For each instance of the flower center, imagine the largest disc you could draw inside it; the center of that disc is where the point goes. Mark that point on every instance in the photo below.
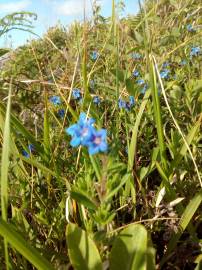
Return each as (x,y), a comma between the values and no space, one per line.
(85,131)
(97,140)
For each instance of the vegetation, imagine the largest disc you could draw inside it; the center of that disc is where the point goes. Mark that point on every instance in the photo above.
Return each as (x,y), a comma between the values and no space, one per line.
(101,143)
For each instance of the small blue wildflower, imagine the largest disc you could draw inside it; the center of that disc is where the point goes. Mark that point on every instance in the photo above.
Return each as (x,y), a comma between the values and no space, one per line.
(25,154)
(136,56)
(165,64)
(121,104)
(31,148)
(128,106)
(83,133)
(183,62)
(55,100)
(140,82)
(96,100)
(131,101)
(94,55)
(165,74)
(97,142)
(76,93)
(195,51)
(61,113)
(136,73)
(81,130)
(190,28)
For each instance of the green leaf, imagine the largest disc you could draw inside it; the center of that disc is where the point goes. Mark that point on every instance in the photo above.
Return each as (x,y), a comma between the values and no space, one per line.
(4,171)
(82,198)
(82,250)
(5,161)
(157,113)
(126,178)
(119,73)
(23,247)
(130,87)
(129,250)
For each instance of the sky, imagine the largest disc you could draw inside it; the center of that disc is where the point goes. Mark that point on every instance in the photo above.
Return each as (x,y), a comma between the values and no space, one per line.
(49,13)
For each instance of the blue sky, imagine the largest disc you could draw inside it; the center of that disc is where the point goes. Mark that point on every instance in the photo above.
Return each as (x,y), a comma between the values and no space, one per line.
(49,13)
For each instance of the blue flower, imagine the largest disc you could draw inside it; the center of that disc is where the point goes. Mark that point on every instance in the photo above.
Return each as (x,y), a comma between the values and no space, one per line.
(195,51)
(183,62)
(136,73)
(84,133)
(190,28)
(136,56)
(55,100)
(131,101)
(165,64)
(81,130)
(94,55)
(121,104)
(140,82)
(61,113)
(76,93)
(31,148)
(96,100)
(97,142)
(128,106)
(25,153)
(165,74)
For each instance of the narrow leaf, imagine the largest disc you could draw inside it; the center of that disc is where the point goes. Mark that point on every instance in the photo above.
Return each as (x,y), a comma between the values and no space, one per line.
(23,247)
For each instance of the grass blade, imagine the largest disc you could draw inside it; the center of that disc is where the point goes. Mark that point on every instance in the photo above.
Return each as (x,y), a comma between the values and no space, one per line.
(157,113)
(4,171)
(133,143)
(22,246)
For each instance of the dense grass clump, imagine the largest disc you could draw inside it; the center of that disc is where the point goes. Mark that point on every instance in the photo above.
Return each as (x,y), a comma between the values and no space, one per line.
(101,143)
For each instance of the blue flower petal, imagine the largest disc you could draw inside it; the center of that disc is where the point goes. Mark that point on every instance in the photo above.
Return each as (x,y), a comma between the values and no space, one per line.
(75,141)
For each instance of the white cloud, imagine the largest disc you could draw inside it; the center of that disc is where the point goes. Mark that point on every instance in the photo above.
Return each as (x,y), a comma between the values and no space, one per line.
(71,7)
(14,6)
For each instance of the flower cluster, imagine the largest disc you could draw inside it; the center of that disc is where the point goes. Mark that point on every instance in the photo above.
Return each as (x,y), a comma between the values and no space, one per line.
(165,64)
(55,100)
(136,56)
(165,74)
(195,51)
(140,82)
(127,105)
(84,133)
(61,113)
(94,55)
(76,93)
(136,73)
(96,100)
(190,28)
